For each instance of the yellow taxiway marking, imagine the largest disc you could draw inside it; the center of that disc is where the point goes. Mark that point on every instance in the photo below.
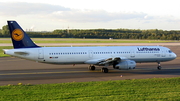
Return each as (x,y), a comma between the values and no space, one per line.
(46,72)
(11,60)
(178,58)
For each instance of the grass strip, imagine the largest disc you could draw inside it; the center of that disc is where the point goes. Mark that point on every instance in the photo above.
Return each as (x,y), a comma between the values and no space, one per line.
(74,40)
(161,89)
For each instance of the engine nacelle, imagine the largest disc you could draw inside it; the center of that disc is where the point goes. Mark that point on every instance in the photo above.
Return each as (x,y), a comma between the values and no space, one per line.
(125,65)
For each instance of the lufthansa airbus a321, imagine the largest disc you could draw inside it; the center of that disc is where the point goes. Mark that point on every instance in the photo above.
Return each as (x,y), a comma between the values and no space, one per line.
(119,57)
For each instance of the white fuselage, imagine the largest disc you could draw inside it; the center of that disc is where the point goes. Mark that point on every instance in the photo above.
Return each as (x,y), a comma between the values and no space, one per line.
(79,55)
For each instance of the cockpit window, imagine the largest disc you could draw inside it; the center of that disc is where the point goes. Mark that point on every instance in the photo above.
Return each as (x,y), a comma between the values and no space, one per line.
(170,51)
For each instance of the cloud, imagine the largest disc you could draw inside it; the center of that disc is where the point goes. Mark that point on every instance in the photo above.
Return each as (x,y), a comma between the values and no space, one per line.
(61,13)
(23,8)
(56,16)
(96,15)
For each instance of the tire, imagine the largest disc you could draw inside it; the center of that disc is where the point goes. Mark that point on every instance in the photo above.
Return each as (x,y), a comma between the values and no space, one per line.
(104,70)
(91,67)
(159,67)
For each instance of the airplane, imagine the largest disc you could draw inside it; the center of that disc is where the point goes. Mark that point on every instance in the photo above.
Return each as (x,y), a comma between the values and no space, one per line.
(119,57)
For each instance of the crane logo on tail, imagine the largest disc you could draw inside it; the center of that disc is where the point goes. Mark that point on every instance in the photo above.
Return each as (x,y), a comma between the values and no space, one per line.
(17,35)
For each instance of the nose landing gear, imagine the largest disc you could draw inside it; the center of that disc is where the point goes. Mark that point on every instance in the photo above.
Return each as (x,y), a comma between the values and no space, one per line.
(159,66)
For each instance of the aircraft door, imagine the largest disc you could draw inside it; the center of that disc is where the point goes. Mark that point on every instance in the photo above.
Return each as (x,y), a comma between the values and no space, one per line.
(90,53)
(163,53)
(132,54)
(40,54)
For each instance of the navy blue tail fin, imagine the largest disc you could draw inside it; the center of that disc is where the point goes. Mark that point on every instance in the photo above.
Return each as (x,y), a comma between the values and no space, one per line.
(19,38)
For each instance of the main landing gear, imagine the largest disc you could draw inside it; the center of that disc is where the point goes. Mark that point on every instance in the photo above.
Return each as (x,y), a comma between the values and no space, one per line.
(104,70)
(159,66)
(91,67)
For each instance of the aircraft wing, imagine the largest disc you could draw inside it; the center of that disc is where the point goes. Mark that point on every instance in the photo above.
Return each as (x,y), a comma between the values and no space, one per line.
(104,61)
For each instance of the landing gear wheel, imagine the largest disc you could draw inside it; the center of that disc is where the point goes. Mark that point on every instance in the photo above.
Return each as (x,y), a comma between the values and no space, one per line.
(159,67)
(104,70)
(91,67)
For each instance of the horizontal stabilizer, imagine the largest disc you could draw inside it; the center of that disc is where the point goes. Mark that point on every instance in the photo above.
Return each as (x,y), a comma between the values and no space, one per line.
(5,50)
(21,53)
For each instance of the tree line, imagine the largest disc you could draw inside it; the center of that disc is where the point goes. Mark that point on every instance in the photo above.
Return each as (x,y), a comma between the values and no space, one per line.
(153,34)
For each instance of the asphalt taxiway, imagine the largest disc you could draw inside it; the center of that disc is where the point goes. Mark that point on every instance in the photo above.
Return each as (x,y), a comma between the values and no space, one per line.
(16,70)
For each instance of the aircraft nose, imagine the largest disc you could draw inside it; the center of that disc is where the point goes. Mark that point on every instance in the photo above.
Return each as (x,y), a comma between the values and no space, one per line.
(174,55)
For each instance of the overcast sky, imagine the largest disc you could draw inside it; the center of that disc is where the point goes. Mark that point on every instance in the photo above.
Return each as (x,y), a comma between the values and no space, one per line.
(48,15)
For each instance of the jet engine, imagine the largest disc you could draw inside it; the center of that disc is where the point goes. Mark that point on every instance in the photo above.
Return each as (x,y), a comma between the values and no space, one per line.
(125,65)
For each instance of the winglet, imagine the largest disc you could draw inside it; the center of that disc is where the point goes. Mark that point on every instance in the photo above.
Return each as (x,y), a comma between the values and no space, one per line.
(19,38)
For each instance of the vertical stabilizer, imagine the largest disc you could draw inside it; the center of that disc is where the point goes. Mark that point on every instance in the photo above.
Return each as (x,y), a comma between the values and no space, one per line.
(19,38)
